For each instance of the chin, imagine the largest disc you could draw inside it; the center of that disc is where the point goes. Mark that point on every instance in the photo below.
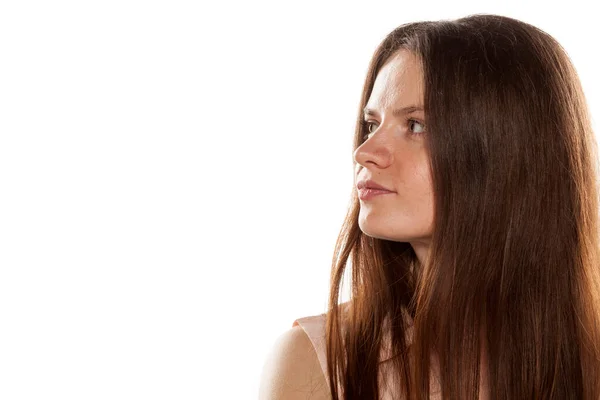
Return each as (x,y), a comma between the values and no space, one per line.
(380,232)
(374,233)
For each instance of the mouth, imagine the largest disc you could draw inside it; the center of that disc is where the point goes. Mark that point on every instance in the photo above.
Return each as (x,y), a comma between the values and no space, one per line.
(370,193)
(370,184)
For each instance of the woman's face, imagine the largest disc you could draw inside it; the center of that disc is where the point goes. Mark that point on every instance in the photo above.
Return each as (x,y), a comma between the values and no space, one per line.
(394,156)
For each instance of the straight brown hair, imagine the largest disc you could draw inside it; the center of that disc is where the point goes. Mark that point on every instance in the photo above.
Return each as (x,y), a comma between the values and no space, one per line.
(514,262)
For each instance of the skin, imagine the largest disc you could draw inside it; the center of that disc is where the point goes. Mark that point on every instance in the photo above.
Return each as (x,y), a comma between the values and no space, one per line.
(395,156)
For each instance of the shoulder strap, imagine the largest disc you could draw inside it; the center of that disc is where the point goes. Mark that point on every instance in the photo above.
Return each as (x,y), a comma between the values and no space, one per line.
(314,326)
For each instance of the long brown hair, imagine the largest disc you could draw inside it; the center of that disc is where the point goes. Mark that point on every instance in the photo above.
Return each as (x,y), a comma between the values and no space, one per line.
(514,261)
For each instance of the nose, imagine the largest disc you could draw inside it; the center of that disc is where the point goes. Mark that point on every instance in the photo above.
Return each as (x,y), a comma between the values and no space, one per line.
(376,151)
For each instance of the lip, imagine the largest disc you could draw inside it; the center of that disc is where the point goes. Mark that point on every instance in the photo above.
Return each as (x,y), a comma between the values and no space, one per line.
(369,184)
(368,193)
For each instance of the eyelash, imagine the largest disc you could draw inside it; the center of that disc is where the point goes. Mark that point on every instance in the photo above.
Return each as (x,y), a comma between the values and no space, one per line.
(365,125)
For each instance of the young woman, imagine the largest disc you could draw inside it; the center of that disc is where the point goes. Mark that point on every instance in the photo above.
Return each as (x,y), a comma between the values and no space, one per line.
(473,235)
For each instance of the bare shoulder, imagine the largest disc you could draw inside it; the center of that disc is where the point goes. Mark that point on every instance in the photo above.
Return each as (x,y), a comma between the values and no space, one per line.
(292,370)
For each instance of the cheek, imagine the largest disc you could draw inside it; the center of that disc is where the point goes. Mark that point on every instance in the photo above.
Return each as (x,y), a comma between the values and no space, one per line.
(417,177)
(422,175)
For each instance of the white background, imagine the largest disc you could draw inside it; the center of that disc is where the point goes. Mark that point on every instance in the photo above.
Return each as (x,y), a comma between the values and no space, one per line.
(173,177)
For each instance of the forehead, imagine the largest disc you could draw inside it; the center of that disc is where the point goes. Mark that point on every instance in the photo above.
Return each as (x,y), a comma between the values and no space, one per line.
(398,82)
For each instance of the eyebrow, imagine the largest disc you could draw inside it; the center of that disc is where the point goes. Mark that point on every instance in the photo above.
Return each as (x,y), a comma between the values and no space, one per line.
(397,112)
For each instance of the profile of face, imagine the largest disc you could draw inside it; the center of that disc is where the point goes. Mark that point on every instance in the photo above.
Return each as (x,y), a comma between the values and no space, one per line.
(394,156)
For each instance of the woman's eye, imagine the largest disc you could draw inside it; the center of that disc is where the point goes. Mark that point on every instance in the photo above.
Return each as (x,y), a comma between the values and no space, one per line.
(412,121)
(369,123)
(371,127)
(367,127)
